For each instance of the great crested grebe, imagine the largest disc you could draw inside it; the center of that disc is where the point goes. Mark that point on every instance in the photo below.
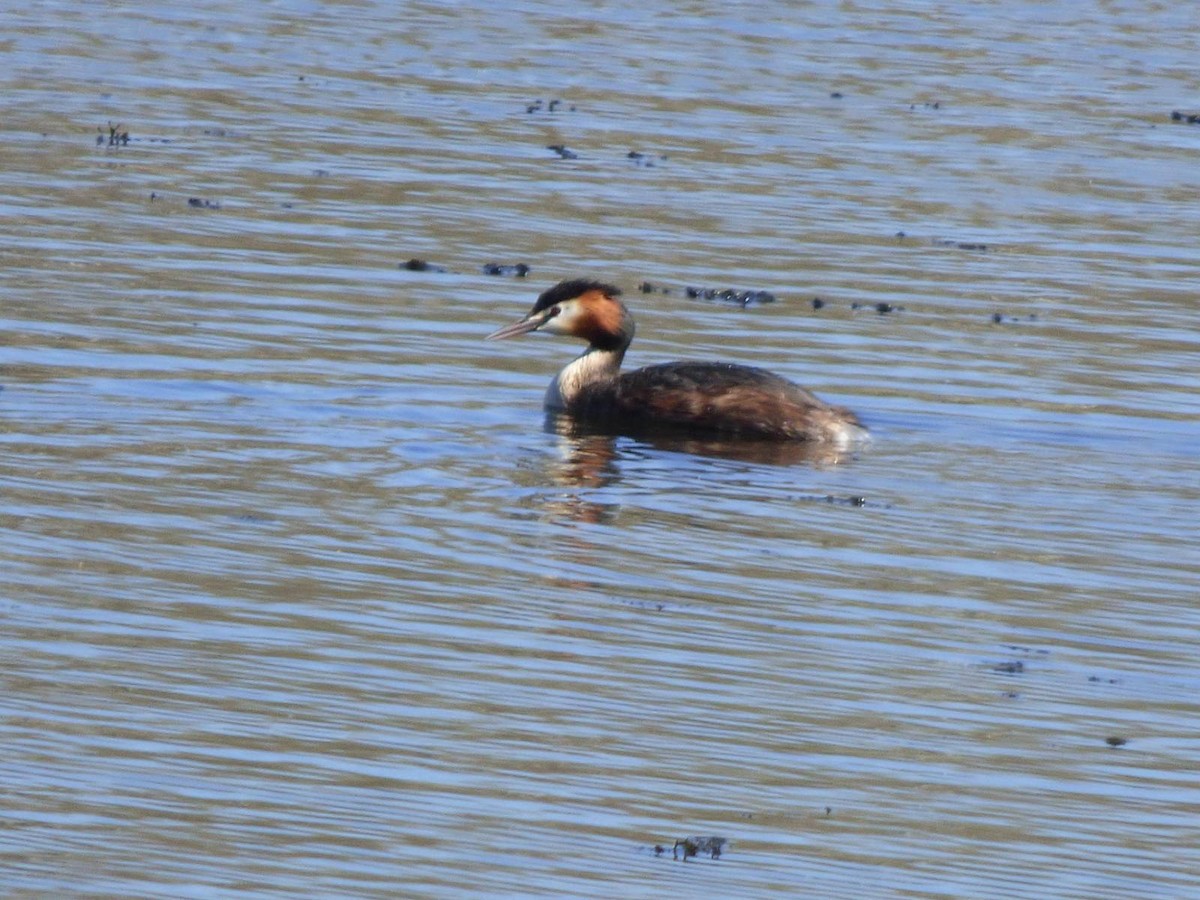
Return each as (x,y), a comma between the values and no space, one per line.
(712,397)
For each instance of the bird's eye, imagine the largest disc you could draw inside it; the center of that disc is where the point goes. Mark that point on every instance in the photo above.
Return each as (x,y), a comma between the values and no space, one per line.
(554,311)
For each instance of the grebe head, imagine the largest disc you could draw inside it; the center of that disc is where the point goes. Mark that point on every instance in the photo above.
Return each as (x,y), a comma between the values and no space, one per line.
(578,308)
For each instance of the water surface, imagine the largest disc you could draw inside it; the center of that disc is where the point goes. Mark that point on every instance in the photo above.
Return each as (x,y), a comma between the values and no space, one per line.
(303,596)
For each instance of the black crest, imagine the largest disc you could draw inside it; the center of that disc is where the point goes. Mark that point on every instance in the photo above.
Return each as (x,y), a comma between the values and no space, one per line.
(569,290)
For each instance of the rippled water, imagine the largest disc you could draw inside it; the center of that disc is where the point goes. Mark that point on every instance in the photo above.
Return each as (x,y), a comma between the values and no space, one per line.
(304,597)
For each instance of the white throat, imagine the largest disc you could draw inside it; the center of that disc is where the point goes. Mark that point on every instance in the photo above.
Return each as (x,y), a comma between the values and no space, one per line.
(593,366)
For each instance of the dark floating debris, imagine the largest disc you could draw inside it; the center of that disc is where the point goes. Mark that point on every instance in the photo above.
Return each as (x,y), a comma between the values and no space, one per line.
(552,106)
(562,151)
(725,295)
(1016,666)
(693,846)
(420,265)
(646,160)
(999,318)
(836,501)
(1013,667)
(818,303)
(936,104)
(646,605)
(1189,118)
(1116,741)
(517,270)
(881,307)
(836,95)
(1033,651)
(728,295)
(118,136)
(198,203)
(962,245)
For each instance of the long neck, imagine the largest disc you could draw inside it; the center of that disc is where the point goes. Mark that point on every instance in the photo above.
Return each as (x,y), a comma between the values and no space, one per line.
(595,366)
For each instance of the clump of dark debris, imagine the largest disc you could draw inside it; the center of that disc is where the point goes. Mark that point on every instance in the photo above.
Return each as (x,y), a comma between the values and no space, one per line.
(517,270)
(553,106)
(686,848)
(1188,118)
(842,501)
(647,160)
(728,295)
(962,245)
(118,136)
(882,308)
(421,265)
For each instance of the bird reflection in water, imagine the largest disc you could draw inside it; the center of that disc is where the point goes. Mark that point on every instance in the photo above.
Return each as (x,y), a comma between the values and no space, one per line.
(593,447)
